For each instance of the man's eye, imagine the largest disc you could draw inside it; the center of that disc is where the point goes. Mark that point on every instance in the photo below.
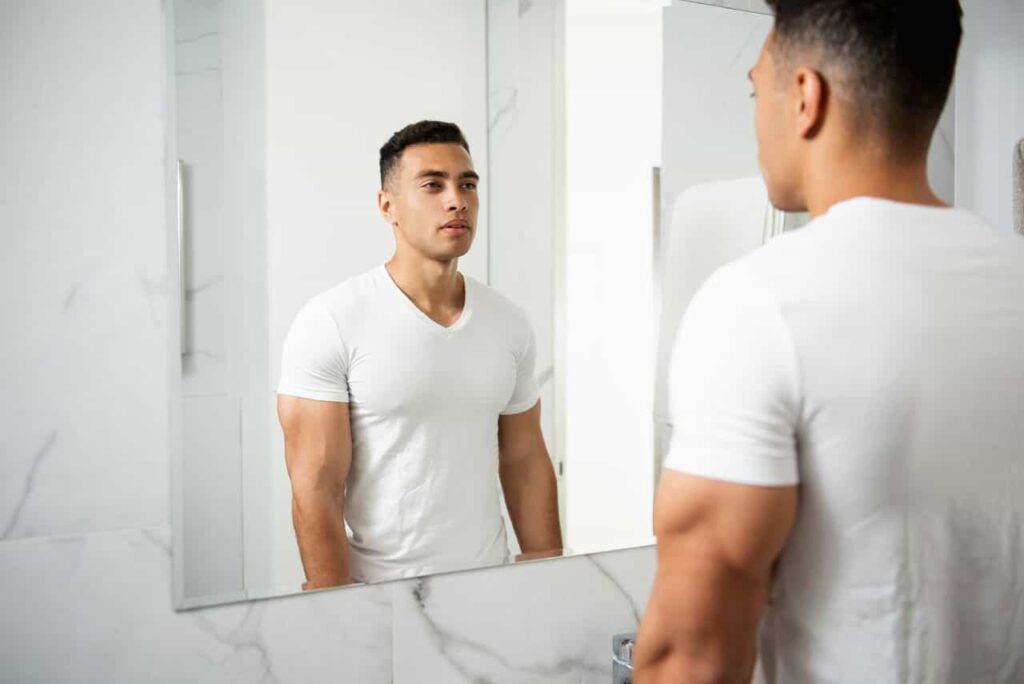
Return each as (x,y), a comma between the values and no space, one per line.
(431,185)
(469,186)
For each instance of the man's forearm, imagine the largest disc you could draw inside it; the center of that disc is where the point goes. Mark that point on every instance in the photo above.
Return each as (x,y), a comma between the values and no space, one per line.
(531,494)
(320,530)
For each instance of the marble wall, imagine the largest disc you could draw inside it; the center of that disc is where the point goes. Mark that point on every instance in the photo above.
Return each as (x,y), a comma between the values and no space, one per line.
(85,293)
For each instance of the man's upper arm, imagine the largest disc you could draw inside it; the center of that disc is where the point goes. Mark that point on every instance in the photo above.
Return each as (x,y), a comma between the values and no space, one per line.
(735,527)
(520,436)
(318,443)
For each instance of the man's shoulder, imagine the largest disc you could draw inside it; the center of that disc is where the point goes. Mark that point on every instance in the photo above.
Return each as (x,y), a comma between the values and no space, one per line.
(494,302)
(350,296)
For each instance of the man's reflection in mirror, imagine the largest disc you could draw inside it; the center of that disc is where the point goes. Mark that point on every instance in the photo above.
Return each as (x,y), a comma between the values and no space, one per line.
(408,392)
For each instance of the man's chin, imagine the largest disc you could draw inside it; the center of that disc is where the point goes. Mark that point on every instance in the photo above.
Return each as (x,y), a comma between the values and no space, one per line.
(450,252)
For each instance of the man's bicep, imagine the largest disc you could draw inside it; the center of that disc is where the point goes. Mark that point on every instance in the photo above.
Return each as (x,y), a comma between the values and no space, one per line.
(519,434)
(318,439)
(741,527)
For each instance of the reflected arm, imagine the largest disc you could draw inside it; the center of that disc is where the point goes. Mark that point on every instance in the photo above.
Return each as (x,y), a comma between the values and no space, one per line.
(717,544)
(318,452)
(528,481)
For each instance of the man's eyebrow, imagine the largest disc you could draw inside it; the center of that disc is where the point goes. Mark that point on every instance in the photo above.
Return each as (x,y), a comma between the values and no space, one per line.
(432,173)
(435,173)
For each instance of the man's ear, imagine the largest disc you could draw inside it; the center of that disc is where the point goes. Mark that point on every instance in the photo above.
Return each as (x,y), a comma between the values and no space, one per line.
(810,101)
(384,206)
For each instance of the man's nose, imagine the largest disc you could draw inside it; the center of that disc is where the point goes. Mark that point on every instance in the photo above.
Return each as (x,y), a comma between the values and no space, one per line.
(456,200)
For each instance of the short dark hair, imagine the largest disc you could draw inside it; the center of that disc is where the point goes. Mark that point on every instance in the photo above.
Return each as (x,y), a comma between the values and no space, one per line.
(897,57)
(416,134)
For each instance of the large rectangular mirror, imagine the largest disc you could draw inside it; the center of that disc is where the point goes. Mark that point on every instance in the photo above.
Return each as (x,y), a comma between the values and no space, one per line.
(617,165)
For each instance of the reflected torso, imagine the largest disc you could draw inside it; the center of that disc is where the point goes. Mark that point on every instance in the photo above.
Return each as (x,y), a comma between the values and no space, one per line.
(422,493)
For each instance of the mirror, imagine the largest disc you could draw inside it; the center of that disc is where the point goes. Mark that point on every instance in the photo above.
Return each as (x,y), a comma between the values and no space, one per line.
(602,178)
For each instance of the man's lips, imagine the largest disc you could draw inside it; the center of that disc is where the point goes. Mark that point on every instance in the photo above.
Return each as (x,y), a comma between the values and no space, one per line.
(455,227)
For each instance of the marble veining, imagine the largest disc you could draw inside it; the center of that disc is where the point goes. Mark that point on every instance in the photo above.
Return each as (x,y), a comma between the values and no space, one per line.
(604,571)
(242,636)
(505,104)
(454,647)
(19,506)
(197,38)
(69,300)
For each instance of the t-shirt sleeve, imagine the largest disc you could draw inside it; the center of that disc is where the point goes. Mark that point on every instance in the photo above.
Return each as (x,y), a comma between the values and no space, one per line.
(314,361)
(526,392)
(734,392)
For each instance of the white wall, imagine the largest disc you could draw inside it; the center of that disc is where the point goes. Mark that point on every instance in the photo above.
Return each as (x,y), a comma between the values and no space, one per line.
(88,352)
(613,135)
(989,107)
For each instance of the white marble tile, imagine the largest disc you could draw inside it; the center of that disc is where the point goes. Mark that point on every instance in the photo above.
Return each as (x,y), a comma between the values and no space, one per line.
(83,272)
(97,608)
(550,621)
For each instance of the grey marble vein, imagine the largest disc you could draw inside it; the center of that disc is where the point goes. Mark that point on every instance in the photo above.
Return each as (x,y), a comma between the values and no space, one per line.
(69,300)
(195,72)
(197,38)
(747,40)
(447,642)
(503,110)
(618,587)
(37,460)
(242,637)
(191,292)
(156,540)
(154,291)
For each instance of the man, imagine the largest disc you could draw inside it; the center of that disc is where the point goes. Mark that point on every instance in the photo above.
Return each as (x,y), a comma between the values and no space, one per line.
(407,390)
(847,464)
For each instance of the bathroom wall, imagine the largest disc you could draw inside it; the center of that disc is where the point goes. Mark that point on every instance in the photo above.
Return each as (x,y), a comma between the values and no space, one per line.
(989,107)
(85,585)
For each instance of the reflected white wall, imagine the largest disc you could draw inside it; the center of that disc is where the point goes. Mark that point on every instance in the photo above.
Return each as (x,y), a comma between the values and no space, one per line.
(613,138)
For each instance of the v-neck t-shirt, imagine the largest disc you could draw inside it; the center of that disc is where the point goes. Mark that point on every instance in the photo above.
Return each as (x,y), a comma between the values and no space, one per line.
(422,493)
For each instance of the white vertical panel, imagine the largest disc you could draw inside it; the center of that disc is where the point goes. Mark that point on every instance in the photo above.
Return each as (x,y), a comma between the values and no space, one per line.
(613,133)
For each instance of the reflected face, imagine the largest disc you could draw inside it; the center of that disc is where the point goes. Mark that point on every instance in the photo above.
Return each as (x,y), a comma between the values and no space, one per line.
(776,130)
(432,200)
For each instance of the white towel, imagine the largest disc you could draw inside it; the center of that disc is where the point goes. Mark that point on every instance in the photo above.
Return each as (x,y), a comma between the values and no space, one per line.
(1018,187)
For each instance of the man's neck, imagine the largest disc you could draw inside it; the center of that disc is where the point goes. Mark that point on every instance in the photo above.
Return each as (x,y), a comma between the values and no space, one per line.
(829,182)
(435,287)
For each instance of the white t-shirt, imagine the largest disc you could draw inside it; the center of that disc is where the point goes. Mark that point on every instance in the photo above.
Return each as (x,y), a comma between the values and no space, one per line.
(875,357)
(422,492)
